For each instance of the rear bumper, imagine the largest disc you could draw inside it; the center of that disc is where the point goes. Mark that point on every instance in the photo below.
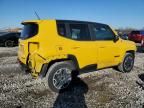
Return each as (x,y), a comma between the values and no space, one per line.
(23,66)
(30,67)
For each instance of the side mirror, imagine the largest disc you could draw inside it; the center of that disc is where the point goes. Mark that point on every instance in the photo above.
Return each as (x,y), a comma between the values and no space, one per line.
(116,38)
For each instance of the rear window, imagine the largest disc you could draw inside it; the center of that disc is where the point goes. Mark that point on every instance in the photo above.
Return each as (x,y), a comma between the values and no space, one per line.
(29,30)
(79,32)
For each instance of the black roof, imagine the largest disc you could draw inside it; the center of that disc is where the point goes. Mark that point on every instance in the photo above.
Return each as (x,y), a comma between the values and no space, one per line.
(77,21)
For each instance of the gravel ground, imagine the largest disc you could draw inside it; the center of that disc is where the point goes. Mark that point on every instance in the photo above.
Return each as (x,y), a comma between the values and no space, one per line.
(101,89)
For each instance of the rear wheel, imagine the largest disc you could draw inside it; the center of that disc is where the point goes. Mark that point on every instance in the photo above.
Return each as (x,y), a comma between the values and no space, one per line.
(127,64)
(9,43)
(59,76)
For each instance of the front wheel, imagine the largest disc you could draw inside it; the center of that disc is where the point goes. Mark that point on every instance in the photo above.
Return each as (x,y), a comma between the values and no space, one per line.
(127,64)
(59,76)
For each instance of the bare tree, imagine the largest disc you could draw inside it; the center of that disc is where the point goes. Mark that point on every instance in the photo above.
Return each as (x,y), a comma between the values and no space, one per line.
(125,30)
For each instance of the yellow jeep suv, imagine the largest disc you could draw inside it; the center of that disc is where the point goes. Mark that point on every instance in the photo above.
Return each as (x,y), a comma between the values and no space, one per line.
(53,49)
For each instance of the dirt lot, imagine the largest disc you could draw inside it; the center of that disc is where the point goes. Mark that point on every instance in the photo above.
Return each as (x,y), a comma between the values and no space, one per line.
(105,88)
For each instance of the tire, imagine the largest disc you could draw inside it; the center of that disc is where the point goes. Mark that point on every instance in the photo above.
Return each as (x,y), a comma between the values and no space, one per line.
(59,76)
(9,43)
(127,64)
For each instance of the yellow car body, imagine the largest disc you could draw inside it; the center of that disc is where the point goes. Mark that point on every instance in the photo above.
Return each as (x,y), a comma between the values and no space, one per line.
(47,47)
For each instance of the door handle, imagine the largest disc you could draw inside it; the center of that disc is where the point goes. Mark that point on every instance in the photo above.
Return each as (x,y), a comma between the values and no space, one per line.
(75,47)
(102,47)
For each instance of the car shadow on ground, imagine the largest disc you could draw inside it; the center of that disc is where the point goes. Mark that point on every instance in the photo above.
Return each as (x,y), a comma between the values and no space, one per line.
(73,97)
(141,82)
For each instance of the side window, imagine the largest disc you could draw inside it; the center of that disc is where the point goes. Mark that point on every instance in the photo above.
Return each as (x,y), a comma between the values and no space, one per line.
(102,32)
(8,34)
(61,29)
(79,32)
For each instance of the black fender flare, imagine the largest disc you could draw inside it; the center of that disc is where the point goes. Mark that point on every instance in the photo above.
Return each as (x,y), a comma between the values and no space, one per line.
(46,66)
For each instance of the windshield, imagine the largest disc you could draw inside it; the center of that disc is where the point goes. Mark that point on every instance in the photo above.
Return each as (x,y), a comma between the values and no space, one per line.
(29,30)
(135,32)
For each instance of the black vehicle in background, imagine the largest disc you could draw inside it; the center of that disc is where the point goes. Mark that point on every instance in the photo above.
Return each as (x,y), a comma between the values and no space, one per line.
(9,39)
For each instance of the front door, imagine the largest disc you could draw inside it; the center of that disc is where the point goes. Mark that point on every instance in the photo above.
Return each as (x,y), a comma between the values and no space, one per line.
(108,50)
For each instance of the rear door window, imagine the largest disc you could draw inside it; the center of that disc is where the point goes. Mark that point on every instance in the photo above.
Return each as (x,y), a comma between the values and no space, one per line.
(29,30)
(79,32)
(75,31)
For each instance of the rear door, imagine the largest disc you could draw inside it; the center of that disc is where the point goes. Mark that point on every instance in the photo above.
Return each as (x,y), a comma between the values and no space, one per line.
(84,46)
(80,43)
